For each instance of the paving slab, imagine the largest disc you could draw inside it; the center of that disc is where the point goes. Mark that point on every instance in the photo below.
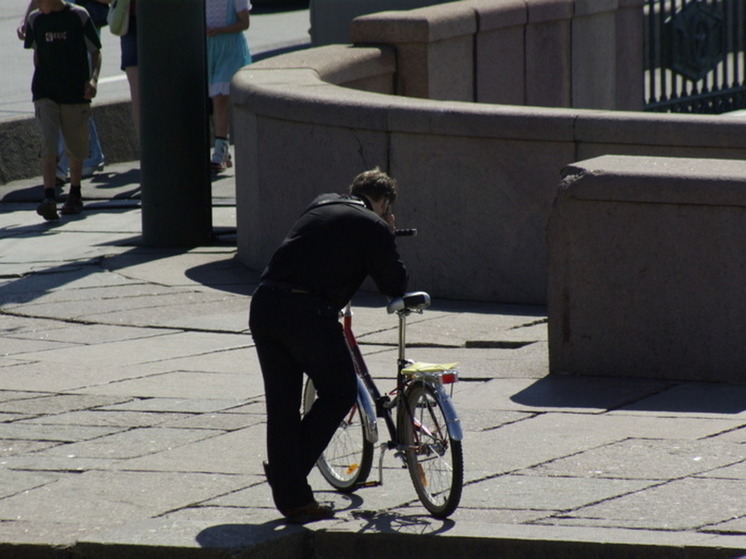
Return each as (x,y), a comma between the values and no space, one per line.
(180,384)
(18,430)
(625,459)
(678,505)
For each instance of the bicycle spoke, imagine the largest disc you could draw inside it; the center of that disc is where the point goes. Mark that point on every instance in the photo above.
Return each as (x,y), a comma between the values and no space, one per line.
(347,459)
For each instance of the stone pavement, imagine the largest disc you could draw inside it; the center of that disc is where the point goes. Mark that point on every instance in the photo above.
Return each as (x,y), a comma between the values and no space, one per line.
(132,425)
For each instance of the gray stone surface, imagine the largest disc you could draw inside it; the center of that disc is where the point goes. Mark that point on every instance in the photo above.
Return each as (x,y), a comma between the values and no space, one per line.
(624,232)
(132,417)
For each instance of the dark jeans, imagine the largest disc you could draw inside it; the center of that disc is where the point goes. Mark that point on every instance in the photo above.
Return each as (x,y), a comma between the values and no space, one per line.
(296,334)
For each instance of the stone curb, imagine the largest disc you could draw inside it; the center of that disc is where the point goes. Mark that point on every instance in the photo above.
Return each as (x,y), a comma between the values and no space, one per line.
(306,543)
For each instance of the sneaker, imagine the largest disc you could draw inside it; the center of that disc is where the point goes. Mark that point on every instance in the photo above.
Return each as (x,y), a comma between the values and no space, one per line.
(221,157)
(48,209)
(73,205)
(311,512)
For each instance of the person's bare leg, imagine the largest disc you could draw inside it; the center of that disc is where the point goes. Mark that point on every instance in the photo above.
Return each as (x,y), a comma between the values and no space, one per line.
(221,158)
(49,171)
(132,79)
(76,171)
(221,115)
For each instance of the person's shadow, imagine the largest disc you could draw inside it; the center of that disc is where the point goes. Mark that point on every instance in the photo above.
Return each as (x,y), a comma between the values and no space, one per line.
(285,540)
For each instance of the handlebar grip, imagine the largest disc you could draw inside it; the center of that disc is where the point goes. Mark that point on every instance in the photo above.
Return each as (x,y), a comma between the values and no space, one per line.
(405,233)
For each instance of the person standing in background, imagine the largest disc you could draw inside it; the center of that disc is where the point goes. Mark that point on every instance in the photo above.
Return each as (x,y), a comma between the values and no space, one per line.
(227,52)
(95,159)
(63,38)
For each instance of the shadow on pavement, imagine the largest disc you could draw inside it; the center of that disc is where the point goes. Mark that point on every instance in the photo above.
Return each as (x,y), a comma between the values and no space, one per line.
(111,185)
(383,522)
(36,283)
(633,394)
(244,536)
(32,193)
(226,275)
(129,180)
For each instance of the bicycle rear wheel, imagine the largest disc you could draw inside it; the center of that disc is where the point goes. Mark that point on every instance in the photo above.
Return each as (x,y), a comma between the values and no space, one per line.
(347,459)
(434,459)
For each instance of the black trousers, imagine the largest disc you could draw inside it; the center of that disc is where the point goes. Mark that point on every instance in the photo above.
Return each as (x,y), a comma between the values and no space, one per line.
(295,334)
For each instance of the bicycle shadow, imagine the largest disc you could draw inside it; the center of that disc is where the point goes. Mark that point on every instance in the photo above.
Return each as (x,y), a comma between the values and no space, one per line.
(291,538)
(277,538)
(386,521)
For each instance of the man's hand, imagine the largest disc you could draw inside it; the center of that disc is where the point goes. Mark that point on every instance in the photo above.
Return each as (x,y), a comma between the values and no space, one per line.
(21,31)
(391,220)
(91,88)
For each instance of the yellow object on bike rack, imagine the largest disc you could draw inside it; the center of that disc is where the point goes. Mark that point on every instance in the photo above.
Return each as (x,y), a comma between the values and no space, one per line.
(444,373)
(428,368)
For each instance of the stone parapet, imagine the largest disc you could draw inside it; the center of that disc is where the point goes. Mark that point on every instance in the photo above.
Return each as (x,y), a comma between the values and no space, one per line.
(478,179)
(499,51)
(434,46)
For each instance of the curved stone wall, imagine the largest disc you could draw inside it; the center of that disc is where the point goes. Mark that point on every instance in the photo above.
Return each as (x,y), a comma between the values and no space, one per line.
(477,179)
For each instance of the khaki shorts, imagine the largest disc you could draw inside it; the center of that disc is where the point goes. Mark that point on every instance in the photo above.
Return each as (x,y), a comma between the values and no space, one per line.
(72,120)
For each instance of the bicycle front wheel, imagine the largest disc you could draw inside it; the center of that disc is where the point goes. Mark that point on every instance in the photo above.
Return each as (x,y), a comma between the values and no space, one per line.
(347,459)
(434,459)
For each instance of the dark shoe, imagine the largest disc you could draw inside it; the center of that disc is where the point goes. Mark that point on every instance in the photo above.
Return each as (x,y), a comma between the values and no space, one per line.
(73,205)
(311,512)
(48,209)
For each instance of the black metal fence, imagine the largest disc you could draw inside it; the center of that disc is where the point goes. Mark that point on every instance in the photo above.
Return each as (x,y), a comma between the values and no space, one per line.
(695,60)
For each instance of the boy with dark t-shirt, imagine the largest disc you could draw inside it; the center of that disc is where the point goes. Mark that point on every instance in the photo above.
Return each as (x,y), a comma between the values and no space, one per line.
(62,35)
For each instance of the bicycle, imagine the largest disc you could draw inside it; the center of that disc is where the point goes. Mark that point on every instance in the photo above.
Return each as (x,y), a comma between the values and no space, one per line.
(424,428)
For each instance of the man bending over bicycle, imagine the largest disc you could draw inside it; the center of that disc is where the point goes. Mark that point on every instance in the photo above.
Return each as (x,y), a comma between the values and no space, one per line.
(334,245)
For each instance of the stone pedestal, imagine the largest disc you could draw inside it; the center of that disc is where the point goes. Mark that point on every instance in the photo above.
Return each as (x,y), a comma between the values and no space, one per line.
(647,269)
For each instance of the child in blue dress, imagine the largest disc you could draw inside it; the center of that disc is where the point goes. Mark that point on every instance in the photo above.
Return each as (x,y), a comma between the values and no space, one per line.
(227,52)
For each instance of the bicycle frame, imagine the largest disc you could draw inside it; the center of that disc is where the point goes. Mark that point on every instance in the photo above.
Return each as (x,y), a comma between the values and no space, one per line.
(374,404)
(368,392)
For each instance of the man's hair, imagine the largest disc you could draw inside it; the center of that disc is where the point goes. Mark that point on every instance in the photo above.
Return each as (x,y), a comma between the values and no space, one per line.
(374,184)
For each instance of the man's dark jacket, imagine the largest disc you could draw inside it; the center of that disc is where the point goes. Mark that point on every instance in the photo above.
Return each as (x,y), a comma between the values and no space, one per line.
(334,245)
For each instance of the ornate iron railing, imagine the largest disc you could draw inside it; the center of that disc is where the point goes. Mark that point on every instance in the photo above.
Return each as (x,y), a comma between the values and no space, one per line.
(695,61)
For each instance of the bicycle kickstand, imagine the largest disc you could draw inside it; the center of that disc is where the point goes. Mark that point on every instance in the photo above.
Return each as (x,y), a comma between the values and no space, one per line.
(373,483)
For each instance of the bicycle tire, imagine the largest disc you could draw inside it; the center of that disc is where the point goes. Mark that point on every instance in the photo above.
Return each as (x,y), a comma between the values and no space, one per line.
(347,460)
(435,460)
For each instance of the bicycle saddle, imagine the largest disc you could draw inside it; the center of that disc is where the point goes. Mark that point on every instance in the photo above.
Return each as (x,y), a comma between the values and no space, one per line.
(416,301)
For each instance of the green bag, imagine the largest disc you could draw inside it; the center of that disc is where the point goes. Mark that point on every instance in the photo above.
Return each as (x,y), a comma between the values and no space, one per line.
(119,17)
